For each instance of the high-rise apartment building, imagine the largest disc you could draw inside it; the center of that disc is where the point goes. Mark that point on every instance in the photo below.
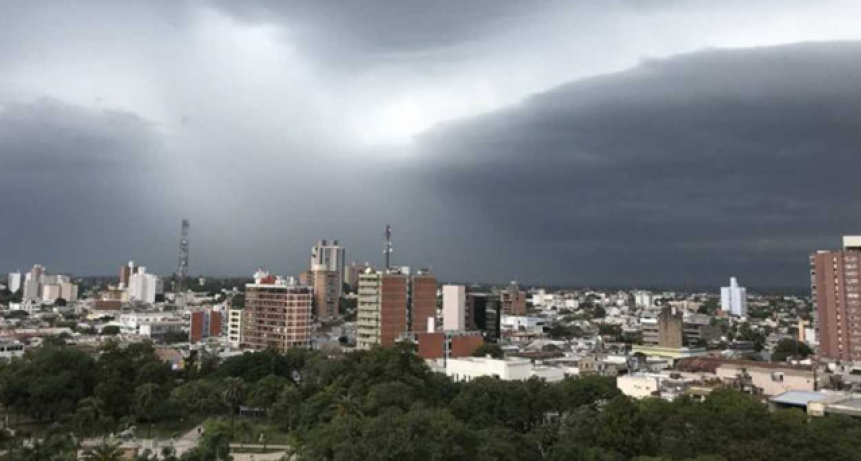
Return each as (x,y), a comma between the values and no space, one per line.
(353,273)
(484,313)
(144,287)
(392,303)
(423,301)
(733,299)
(204,323)
(327,287)
(382,308)
(277,313)
(234,327)
(13,281)
(836,287)
(513,300)
(328,256)
(126,273)
(453,307)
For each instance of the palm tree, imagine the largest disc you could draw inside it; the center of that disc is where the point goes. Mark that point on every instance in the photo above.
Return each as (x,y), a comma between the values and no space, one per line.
(233,392)
(347,405)
(104,451)
(146,397)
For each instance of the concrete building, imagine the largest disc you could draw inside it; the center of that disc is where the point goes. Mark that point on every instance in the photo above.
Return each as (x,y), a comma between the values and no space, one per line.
(158,330)
(836,287)
(759,378)
(423,301)
(454,307)
(382,308)
(14,281)
(205,323)
(513,300)
(144,287)
(51,292)
(234,327)
(508,369)
(663,327)
(448,344)
(327,287)
(733,299)
(483,313)
(644,299)
(329,256)
(277,313)
(126,273)
(393,303)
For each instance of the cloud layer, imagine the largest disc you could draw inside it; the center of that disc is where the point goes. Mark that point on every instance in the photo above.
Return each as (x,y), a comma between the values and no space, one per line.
(556,142)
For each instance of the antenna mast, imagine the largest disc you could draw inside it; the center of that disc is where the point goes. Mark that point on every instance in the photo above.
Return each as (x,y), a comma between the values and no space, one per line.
(182,269)
(387,246)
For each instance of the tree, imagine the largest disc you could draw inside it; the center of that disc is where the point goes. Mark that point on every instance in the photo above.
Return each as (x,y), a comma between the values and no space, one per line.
(234,390)
(147,397)
(103,451)
(265,393)
(111,330)
(491,349)
(790,349)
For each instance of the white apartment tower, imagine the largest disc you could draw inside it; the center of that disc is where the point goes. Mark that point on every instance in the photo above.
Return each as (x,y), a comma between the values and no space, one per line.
(14,281)
(453,307)
(733,299)
(144,287)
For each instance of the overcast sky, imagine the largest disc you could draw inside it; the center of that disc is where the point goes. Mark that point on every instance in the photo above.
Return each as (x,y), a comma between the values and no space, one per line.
(638,142)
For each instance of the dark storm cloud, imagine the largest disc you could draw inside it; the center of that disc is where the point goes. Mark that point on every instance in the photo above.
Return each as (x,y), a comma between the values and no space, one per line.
(368,29)
(688,169)
(73,180)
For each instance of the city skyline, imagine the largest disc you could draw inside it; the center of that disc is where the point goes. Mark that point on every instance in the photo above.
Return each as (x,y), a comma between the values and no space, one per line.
(668,143)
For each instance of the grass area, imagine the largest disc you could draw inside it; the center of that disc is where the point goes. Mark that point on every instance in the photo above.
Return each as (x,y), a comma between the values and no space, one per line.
(248,430)
(167,429)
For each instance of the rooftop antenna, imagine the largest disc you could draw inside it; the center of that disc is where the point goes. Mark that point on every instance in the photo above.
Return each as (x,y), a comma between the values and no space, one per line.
(387,246)
(182,269)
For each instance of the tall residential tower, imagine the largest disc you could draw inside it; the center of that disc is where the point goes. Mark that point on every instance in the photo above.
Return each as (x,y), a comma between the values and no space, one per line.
(836,288)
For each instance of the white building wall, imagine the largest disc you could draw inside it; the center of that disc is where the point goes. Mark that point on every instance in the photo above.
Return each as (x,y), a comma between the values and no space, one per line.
(454,307)
(467,369)
(14,281)
(734,299)
(637,386)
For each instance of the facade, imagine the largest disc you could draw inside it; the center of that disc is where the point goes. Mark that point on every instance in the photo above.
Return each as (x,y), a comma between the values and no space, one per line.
(159,329)
(204,324)
(508,369)
(454,307)
(234,327)
(423,301)
(382,309)
(13,281)
(329,256)
(393,303)
(483,313)
(353,273)
(448,344)
(836,288)
(144,287)
(277,314)
(513,300)
(126,273)
(51,292)
(733,299)
(644,299)
(327,286)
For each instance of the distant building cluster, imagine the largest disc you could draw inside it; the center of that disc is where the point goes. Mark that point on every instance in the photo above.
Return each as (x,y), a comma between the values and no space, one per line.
(788,348)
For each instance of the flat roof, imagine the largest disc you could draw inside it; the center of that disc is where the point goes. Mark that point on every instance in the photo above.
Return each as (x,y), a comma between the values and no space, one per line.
(798,398)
